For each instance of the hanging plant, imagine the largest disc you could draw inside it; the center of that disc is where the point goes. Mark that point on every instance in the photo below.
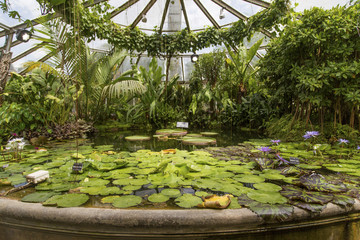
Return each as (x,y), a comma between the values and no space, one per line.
(95,22)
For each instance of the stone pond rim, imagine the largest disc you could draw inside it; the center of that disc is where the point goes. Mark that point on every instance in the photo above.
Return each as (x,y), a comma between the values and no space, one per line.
(20,220)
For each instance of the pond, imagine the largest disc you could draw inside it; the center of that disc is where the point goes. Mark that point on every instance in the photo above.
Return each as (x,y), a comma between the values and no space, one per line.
(269,178)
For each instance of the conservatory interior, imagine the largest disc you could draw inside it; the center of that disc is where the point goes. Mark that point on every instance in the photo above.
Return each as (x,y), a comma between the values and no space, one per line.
(174,119)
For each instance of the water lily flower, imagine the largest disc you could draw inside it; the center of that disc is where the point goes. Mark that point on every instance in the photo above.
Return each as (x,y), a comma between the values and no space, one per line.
(276,141)
(264,149)
(358,147)
(14,134)
(282,159)
(310,134)
(343,141)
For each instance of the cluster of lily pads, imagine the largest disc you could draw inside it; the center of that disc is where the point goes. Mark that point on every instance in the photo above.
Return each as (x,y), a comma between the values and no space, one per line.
(258,174)
(202,138)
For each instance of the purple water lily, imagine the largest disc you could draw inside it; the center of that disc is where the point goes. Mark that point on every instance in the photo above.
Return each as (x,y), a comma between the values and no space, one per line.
(310,134)
(14,134)
(282,159)
(276,141)
(264,149)
(343,141)
(358,147)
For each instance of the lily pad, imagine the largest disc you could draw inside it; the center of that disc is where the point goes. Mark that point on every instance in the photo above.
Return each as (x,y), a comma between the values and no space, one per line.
(109,199)
(171,132)
(271,212)
(267,187)
(188,201)
(317,182)
(173,193)
(199,141)
(127,201)
(267,197)
(158,197)
(312,207)
(37,197)
(137,138)
(247,178)
(67,200)
(209,134)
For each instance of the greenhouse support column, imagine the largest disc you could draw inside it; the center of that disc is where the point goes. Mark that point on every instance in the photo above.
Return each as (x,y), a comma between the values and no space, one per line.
(5,61)
(174,24)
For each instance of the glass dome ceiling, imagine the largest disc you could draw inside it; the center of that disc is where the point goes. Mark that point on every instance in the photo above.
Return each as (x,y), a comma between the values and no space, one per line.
(165,15)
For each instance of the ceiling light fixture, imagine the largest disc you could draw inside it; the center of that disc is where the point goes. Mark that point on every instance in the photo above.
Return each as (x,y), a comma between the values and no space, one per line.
(144,19)
(194,58)
(222,14)
(23,35)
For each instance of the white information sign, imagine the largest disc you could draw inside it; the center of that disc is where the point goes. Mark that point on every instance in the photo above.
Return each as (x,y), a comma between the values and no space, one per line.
(182,124)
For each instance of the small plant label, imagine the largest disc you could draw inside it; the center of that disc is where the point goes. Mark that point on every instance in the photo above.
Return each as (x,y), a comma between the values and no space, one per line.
(77,167)
(294,160)
(182,124)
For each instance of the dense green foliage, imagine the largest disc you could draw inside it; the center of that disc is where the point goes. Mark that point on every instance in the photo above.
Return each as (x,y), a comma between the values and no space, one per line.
(312,69)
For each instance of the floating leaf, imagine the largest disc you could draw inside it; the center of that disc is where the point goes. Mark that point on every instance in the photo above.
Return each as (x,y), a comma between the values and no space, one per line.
(131,188)
(343,201)
(214,201)
(188,201)
(247,178)
(271,212)
(267,187)
(234,203)
(68,200)
(267,197)
(158,197)
(38,197)
(307,166)
(92,182)
(171,132)
(208,134)
(202,193)
(265,163)
(109,199)
(312,207)
(198,141)
(137,138)
(173,193)
(294,193)
(127,201)
(317,182)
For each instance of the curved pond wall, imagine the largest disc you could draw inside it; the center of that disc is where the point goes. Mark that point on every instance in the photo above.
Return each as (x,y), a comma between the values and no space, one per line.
(33,221)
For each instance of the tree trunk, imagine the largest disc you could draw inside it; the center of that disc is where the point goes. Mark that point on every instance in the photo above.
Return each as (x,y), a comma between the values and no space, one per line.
(308,110)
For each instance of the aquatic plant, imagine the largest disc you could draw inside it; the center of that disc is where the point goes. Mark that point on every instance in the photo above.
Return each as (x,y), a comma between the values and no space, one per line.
(15,146)
(311,134)
(276,141)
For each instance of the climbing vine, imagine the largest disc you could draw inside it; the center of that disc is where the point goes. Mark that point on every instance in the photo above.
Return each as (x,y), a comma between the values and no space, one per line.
(95,22)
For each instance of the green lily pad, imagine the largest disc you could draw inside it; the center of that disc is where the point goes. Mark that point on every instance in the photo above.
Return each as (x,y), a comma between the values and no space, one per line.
(188,201)
(267,197)
(173,193)
(67,200)
(247,178)
(209,134)
(171,132)
(312,207)
(131,187)
(198,141)
(195,135)
(109,199)
(267,187)
(137,138)
(298,194)
(127,201)
(202,193)
(158,197)
(37,197)
(307,166)
(92,182)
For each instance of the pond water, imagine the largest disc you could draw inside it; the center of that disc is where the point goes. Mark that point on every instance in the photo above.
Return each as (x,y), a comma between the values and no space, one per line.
(116,138)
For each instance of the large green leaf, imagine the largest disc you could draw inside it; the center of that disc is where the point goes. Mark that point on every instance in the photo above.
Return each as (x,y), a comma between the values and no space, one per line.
(67,200)
(126,201)
(294,193)
(188,201)
(267,197)
(38,197)
(158,197)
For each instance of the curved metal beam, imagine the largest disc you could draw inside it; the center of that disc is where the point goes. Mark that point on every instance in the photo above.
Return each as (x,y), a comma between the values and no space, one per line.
(123,8)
